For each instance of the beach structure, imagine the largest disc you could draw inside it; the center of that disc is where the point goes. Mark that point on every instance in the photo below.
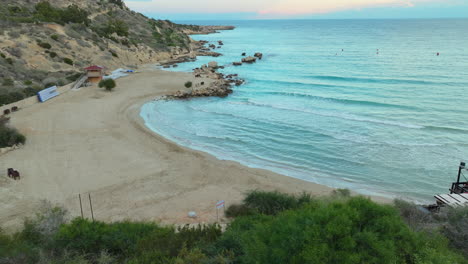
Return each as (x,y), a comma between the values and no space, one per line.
(458,192)
(94,73)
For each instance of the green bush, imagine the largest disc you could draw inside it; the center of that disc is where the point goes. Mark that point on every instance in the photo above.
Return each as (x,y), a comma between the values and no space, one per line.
(45,12)
(188,85)
(10,136)
(53,54)
(109,84)
(271,203)
(28,82)
(352,231)
(120,3)
(236,210)
(73,77)
(116,26)
(54,37)
(8,82)
(68,61)
(9,60)
(11,97)
(114,54)
(44,45)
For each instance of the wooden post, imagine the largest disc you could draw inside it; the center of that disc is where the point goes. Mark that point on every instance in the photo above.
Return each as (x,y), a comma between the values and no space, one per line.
(91,206)
(81,206)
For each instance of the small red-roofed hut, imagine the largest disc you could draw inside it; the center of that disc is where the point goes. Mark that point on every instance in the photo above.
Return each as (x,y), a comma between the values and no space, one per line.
(95,73)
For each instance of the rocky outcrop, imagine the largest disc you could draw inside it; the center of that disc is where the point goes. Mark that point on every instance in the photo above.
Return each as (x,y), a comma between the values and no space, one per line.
(221,86)
(258,55)
(213,64)
(217,88)
(237,63)
(249,59)
(204,30)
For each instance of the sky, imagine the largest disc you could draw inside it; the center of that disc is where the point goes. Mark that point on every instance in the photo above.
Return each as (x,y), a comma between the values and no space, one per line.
(298,9)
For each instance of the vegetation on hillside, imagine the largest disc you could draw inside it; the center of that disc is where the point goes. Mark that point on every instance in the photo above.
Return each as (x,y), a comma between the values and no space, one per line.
(9,136)
(105,27)
(291,229)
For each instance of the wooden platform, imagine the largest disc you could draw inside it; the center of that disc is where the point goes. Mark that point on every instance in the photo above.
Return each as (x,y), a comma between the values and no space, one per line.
(453,200)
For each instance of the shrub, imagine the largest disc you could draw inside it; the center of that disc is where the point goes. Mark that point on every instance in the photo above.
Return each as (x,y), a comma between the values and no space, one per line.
(116,26)
(53,54)
(455,228)
(8,82)
(44,45)
(351,231)
(54,37)
(271,203)
(2,55)
(74,14)
(9,60)
(10,136)
(68,61)
(188,85)
(28,82)
(44,11)
(109,84)
(236,210)
(120,3)
(73,77)
(113,53)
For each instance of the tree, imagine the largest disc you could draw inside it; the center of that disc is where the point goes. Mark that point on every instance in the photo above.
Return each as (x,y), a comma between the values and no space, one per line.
(109,84)
(188,85)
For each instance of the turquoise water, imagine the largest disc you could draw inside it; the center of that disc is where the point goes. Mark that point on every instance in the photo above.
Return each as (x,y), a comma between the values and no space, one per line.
(359,104)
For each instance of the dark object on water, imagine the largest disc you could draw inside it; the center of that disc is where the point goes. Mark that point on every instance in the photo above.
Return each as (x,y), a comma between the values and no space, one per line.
(14,109)
(438,53)
(243,54)
(6,111)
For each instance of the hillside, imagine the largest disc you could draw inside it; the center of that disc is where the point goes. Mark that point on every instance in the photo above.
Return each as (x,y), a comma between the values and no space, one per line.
(45,43)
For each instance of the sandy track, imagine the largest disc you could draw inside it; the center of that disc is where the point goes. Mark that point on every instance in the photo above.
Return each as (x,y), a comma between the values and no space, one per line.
(92,141)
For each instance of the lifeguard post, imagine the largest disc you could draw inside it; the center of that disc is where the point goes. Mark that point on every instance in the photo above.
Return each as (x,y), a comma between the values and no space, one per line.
(94,73)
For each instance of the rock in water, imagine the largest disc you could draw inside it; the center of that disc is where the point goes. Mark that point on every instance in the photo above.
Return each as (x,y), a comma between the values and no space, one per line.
(249,59)
(213,64)
(259,55)
(237,63)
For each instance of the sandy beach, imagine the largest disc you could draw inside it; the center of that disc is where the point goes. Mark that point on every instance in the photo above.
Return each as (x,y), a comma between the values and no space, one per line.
(94,142)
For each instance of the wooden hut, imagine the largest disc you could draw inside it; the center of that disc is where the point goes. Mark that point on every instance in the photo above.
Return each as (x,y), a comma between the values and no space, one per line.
(95,73)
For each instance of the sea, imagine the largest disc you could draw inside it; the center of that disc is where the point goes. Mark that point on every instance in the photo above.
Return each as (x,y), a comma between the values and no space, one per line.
(379,107)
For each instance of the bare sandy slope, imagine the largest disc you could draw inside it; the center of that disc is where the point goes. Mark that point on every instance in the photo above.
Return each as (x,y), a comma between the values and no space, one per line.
(92,141)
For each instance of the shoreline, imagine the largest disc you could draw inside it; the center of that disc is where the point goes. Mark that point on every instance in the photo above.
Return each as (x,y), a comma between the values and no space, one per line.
(93,141)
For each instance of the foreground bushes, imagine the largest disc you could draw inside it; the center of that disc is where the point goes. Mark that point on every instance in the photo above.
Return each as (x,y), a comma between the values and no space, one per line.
(299,230)
(355,231)
(9,136)
(269,203)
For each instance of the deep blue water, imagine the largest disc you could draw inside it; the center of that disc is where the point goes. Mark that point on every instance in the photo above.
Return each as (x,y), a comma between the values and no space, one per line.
(359,104)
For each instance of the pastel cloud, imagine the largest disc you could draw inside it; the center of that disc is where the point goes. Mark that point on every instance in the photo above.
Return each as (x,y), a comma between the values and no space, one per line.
(294,7)
(265,8)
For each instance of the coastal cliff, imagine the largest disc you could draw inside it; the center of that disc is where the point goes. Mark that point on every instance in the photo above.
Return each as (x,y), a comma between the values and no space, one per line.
(46,43)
